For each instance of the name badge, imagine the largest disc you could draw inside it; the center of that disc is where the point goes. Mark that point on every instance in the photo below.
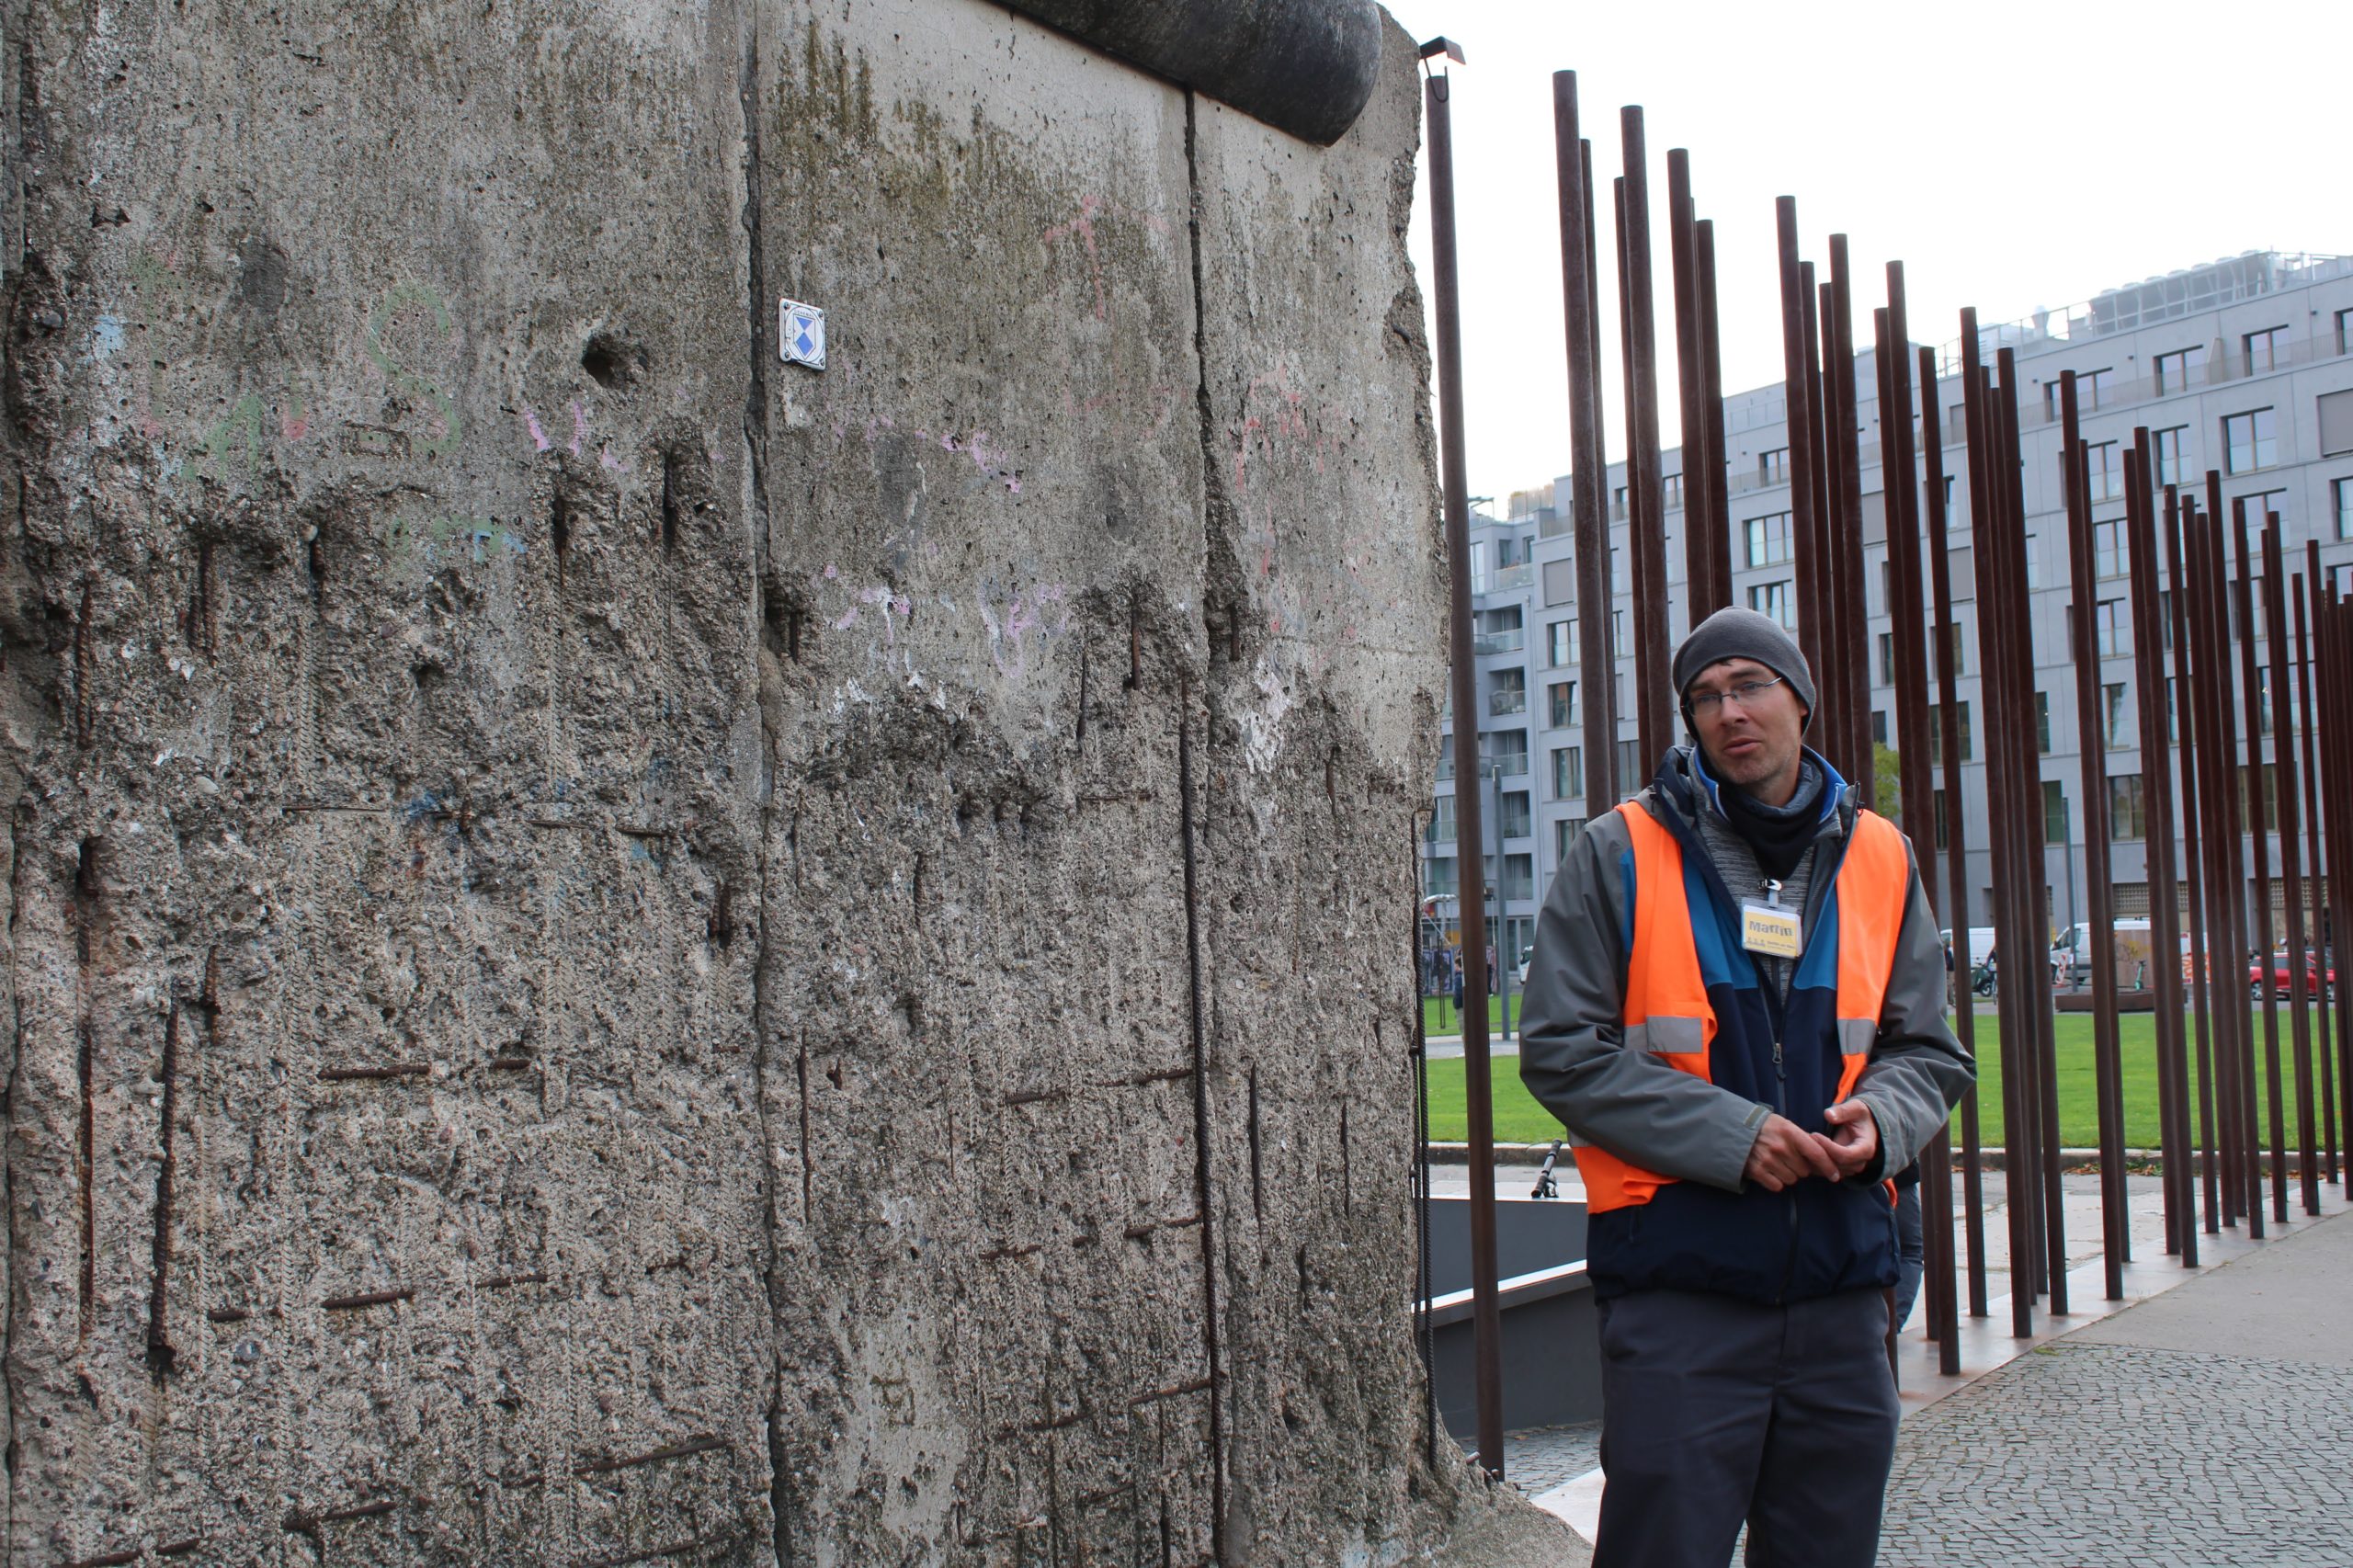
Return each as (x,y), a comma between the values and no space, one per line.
(1770,929)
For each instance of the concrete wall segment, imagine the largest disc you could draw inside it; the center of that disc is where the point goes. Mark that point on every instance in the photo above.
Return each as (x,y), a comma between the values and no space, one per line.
(602,942)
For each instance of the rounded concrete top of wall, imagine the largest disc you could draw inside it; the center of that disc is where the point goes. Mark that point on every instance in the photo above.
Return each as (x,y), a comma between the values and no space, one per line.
(1303,66)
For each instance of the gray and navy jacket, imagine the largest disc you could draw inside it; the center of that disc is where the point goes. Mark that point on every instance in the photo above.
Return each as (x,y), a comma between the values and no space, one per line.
(1775,1049)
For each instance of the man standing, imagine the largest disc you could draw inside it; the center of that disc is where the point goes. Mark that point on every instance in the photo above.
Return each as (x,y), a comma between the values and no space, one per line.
(1736,1008)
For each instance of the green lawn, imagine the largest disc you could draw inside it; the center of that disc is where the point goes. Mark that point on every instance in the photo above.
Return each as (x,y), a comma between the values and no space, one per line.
(1438,1015)
(1520,1120)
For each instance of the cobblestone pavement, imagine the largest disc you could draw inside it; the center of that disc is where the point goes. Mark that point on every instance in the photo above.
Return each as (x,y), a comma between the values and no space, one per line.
(1541,1458)
(2090,1455)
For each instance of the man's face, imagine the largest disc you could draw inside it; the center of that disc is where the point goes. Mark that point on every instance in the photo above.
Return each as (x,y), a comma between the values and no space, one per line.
(1752,742)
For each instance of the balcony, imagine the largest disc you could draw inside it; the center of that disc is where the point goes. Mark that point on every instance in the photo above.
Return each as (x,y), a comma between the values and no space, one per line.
(1489,643)
(1504,704)
(1506,578)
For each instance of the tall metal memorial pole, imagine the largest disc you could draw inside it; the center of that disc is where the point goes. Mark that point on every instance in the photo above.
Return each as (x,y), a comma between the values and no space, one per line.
(1478,1091)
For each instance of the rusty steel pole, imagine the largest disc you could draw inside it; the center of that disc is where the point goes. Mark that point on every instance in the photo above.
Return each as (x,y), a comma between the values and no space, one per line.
(1996,628)
(2309,674)
(1654,713)
(1589,467)
(1712,385)
(2333,648)
(2165,908)
(2291,875)
(1701,468)
(2107,1053)
(2189,719)
(1854,618)
(1972,1167)
(2216,749)
(1799,457)
(2226,881)
(1486,1324)
(2037,863)
(1907,616)
(2259,828)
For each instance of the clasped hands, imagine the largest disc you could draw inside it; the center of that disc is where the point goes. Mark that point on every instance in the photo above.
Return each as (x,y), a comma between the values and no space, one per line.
(1785,1154)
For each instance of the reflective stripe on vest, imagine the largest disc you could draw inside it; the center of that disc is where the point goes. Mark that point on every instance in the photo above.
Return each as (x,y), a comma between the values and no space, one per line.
(1666,1010)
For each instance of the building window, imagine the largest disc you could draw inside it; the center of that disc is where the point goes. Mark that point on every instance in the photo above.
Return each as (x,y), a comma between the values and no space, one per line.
(1937,737)
(2173,713)
(1564,833)
(1768,539)
(1568,774)
(1887,658)
(2033,565)
(1507,692)
(2249,441)
(2271,797)
(2127,812)
(2055,826)
(2107,472)
(1517,819)
(1936,810)
(2112,628)
(1629,768)
(1442,821)
(1617,504)
(2345,332)
(1773,599)
(1879,725)
(2042,722)
(1773,467)
(1441,883)
(2340,492)
(1618,633)
(2092,389)
(2259,505)
(1560,642)
(1519,880)
(2167,443)
(1507,750)
(1671,487)
(2108,558)
(1960,649)
(2265,349)
(1446,757)
(2175,370)
(1561,704)
(2115,708)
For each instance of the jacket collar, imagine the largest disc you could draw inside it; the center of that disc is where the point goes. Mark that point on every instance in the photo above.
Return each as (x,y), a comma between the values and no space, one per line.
(1684,783)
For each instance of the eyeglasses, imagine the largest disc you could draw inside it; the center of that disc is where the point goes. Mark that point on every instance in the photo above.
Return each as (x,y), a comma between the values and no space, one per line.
(1745,693)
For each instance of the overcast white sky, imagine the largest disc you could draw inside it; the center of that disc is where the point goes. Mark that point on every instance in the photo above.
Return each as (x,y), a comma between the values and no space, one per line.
(2015,156)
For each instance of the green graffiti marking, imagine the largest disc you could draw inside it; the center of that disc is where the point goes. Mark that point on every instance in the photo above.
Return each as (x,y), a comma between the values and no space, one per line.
(407,538)
(245,417)
(402,296)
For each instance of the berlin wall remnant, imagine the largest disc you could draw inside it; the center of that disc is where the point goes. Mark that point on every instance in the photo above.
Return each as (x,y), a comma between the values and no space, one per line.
(625,951)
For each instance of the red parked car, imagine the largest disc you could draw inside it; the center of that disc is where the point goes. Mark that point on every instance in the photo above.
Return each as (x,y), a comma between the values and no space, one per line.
(2281,978)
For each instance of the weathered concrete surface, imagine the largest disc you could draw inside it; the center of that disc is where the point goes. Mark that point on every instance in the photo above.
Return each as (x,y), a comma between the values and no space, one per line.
(537,824)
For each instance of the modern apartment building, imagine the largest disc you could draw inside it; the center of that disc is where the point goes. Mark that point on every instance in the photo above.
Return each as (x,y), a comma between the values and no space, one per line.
(2243,364)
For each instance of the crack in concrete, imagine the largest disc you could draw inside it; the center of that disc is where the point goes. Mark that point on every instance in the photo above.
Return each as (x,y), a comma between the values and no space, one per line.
(757,461)
(1198,1004)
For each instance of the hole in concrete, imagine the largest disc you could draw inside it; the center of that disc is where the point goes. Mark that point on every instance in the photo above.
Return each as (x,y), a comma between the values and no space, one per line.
(669,501)
(611,362)
(781,623)
(560,528)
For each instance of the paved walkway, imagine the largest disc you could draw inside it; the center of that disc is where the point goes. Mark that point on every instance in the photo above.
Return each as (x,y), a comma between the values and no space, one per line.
(2205,1420)
(2207,1425)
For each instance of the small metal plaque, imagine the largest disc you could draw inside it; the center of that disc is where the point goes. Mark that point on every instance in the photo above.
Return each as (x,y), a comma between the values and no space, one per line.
(801,333)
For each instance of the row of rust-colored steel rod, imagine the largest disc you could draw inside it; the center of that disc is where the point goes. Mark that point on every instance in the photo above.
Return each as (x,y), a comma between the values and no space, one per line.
(2184,599)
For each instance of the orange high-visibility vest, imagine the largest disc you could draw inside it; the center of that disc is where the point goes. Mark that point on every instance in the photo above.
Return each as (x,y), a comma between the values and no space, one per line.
(1667,1011)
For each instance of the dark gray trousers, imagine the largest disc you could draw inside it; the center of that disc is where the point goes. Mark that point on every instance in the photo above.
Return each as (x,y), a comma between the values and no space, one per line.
(1716,1412)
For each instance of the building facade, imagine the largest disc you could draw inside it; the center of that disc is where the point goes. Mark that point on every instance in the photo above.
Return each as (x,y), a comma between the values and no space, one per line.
(2244,366)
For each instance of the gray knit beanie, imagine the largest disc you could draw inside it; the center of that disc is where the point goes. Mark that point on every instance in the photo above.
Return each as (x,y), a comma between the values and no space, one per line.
(1735,633)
